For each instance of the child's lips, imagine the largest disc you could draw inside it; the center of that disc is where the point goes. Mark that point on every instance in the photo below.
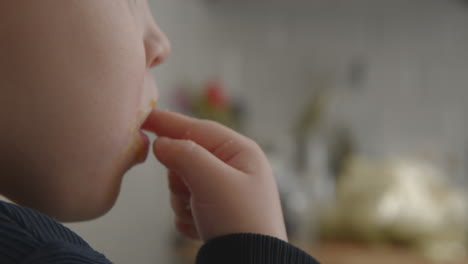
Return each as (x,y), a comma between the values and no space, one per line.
(142,142)
(148,122)
(144,149)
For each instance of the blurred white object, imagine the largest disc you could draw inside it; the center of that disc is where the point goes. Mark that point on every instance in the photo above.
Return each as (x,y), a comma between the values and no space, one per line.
(404,200)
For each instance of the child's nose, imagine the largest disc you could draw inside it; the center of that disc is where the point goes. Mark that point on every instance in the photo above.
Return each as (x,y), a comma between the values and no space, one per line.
(157,47)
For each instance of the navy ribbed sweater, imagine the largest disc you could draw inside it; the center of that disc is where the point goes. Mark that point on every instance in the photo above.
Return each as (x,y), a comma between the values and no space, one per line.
(27,237)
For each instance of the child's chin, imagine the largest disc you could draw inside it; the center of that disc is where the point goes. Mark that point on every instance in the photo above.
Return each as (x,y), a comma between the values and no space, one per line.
(91,212)
(86,208)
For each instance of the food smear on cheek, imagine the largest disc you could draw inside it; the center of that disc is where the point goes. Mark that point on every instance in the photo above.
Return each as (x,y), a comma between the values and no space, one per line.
(135,150)
(132,150)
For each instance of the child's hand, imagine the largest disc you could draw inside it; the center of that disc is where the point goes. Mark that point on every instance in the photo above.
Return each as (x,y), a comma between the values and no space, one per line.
(221,182)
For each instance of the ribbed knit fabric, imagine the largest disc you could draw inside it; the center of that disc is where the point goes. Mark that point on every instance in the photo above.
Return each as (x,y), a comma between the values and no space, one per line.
(251,249)
(28,237)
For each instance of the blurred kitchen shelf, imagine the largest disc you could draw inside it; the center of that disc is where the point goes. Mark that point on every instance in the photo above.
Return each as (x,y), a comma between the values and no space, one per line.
(338,252)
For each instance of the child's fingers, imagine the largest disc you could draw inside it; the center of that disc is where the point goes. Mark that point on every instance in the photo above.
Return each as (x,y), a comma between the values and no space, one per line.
(181,208)
(206,133)
(187,229)
(177,186)
(223,142)
(200,170)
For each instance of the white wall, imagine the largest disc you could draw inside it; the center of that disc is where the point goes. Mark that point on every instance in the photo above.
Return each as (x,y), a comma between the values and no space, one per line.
(414,98)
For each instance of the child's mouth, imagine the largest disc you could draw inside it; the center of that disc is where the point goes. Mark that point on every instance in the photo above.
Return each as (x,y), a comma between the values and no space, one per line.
(143,149)
(141,142)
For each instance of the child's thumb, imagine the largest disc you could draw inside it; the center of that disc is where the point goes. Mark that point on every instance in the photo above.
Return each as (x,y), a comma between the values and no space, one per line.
(201,170)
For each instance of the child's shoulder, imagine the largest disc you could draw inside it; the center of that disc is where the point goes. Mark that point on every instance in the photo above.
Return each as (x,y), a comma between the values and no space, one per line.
(38,226)
(29,234)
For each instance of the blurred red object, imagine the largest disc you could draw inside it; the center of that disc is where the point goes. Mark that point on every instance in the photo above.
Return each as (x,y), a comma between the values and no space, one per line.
(216,95)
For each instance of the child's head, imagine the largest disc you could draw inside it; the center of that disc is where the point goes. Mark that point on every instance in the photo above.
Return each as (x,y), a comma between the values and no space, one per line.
(75,88)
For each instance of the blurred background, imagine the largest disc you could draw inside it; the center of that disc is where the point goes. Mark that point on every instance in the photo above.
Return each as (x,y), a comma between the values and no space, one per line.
(360,106)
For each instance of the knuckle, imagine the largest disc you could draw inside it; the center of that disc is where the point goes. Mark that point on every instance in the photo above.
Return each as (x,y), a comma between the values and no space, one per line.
(179,190)
(187,133)
(181,209)
(184,227)
(174,186)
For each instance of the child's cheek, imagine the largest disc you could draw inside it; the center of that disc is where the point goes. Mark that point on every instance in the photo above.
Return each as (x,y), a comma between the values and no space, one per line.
(81,93)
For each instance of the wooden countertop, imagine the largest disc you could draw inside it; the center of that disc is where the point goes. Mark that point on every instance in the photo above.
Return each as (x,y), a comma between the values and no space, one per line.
(351,253)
